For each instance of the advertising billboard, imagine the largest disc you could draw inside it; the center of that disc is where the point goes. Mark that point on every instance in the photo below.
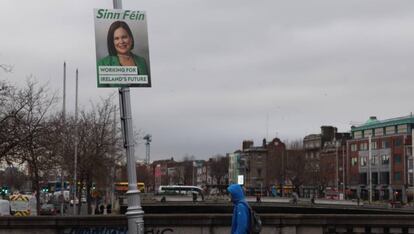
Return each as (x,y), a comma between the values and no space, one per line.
(122,54)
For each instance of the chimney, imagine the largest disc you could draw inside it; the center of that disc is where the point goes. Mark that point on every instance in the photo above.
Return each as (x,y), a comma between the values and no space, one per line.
(247,144)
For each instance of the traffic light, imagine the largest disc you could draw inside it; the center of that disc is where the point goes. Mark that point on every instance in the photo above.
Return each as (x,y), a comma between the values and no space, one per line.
(4,190)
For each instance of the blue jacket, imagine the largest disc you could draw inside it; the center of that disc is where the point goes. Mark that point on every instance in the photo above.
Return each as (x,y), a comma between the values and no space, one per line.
(241,214)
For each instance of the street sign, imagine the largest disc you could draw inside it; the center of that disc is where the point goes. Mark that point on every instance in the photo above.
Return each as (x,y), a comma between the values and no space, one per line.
(240,179)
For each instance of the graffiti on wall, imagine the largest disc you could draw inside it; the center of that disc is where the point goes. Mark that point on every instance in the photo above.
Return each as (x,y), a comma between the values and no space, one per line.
(158,231)
(96,230)
(114,230)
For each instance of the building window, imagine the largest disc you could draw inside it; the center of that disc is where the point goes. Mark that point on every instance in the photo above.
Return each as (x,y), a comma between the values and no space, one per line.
(409,151)
(368,133)
(385,177)
(397,158)
(354,161)
(374,177)
(385,144)
(363,146)
(358,135)
(397,176)
(259,172)
(363,178)
(402,128)
(354,147)
(374,145)
(398,142)
(390,130)
(363,161)
(379,132)
(385,159)
(374,160)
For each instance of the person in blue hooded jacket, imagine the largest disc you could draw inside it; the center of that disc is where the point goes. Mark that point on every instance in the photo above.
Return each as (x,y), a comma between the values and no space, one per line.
(241,214)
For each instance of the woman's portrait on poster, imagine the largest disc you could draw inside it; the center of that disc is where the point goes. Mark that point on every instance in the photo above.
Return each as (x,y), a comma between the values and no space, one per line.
(120,43)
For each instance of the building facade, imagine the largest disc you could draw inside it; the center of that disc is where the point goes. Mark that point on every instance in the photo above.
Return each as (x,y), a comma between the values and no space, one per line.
(236,167)
(324,159)
(261,166)
(380,159)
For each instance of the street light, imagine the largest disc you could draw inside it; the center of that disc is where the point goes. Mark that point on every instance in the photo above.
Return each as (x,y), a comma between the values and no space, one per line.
(369,169)
(148,139)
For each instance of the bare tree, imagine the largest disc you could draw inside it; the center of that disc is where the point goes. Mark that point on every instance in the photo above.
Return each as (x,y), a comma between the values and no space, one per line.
(100,146)
(296,167)
(177,175)
(14,178)
(34,133)
(219,167)
(144,175)
(187,170)
(295,144)
(12,104)
(6,67)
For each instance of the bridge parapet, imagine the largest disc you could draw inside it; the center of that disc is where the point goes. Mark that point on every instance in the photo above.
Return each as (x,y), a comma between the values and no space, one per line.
(211,224)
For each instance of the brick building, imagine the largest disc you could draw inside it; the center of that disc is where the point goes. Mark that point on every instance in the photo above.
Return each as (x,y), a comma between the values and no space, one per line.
(161,173)
(324,161)
(255,158)
(261,166)
(332,166)
(389,159)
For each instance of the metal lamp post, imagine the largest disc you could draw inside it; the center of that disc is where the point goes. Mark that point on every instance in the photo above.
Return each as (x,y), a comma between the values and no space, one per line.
(135,214)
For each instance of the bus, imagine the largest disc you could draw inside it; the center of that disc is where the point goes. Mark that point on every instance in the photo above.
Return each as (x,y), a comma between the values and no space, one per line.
(180,192)
(122,187)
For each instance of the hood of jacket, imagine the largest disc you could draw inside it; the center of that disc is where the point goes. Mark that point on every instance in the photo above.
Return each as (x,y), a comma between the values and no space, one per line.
(236,192)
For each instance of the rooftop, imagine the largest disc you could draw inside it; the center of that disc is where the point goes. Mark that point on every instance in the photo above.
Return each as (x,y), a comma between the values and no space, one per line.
(373,122)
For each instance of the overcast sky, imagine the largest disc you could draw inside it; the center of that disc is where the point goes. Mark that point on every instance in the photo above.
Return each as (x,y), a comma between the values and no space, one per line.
(225,71)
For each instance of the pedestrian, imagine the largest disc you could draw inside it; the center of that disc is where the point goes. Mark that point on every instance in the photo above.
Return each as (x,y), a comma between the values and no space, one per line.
(294,198)
(101,209)
(240,223)
(258,198)
(313,199)
(109,208)
(194,197)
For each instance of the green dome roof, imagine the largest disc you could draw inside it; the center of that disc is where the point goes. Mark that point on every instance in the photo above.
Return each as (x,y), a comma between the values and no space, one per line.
(372,120)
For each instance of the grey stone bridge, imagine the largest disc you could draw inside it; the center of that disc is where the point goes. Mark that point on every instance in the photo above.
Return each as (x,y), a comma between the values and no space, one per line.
(210,224)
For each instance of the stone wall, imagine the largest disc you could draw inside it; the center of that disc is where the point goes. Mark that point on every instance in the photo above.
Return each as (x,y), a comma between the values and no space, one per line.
(209,224)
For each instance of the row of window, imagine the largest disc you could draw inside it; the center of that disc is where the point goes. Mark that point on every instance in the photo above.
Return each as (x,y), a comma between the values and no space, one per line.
(384,160)
(384,177)
(390,130)
(363,146)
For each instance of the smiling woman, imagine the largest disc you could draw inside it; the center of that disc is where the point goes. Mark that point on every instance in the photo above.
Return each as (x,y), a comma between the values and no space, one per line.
(120,42)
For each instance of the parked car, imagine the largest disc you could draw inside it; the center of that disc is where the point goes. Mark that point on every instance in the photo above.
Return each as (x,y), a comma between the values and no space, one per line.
(48,209)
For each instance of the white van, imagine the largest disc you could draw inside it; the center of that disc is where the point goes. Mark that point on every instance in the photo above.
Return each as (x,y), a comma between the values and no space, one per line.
(4,207)
(66,195)
(180,193)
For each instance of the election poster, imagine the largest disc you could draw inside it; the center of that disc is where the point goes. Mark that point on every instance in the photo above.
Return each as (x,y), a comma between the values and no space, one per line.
(122,53)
